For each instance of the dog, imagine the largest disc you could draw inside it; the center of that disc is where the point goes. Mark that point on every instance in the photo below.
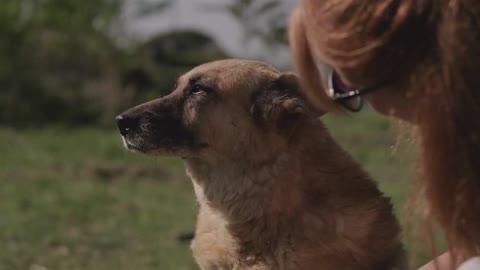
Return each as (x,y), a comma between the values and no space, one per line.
(275,191)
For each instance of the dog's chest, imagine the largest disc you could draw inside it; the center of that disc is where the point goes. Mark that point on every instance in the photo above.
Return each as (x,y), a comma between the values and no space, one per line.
(226,197)
(214,247)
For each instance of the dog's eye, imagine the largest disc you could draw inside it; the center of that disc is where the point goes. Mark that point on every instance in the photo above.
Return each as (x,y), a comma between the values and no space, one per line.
(198,89)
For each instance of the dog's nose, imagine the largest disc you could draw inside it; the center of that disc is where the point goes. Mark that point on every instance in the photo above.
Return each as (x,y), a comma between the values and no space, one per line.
(126,124)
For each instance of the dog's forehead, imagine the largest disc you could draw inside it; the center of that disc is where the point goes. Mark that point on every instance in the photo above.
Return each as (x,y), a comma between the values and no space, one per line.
(229,73)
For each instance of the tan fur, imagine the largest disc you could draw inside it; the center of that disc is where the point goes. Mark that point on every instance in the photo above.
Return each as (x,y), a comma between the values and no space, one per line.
(279,198)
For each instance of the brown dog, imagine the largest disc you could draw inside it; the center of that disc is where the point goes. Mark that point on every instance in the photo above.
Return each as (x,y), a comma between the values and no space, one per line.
(275,190)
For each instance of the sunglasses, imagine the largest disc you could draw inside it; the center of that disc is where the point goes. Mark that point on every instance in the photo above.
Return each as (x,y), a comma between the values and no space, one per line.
(337,90)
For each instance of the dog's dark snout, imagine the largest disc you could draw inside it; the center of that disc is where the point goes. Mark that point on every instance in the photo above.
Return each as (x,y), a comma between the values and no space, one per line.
(126,124)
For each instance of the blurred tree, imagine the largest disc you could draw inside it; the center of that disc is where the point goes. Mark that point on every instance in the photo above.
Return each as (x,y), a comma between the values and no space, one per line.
(59,62)
(51,50)
(183,48)
(162,59)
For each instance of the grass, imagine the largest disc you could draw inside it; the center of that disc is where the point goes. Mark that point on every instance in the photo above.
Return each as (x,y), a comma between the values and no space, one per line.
(66,202)
(74,199)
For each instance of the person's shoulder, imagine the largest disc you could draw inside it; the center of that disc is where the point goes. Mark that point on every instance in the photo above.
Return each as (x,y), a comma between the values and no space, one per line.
(471,264)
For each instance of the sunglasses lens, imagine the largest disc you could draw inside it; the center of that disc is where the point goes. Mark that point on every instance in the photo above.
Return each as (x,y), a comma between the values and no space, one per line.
(354,104)
(346,96)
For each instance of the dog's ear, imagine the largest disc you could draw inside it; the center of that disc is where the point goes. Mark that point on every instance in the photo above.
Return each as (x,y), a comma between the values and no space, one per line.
(281,104)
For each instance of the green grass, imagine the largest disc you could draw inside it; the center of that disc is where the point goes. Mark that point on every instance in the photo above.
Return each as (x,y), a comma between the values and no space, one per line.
(75,199)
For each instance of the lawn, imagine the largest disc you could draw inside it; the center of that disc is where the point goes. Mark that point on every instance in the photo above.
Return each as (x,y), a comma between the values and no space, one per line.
(75,199)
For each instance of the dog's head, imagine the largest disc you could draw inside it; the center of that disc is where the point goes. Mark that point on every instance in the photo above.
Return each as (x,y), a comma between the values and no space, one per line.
(223,107)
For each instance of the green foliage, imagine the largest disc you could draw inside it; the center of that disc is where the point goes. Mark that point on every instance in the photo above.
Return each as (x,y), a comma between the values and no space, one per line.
(156,65)
(60,63)
(52,51)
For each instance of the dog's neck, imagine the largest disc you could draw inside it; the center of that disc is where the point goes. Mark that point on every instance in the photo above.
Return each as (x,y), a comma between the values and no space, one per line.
(261,203)
(247,189)
(254,202)
(242,192)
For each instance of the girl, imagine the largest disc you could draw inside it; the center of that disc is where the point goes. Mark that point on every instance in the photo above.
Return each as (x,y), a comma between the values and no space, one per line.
(417,60)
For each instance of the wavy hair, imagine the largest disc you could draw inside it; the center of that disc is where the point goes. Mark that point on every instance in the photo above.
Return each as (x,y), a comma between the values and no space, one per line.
(433,46)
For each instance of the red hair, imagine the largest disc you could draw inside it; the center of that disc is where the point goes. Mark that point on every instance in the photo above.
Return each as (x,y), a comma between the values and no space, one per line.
(433,47)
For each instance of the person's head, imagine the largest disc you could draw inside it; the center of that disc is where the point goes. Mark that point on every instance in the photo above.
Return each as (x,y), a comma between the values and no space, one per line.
(419,61)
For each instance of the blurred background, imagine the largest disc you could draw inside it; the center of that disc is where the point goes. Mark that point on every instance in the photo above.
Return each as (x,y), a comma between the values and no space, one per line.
(70,196)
